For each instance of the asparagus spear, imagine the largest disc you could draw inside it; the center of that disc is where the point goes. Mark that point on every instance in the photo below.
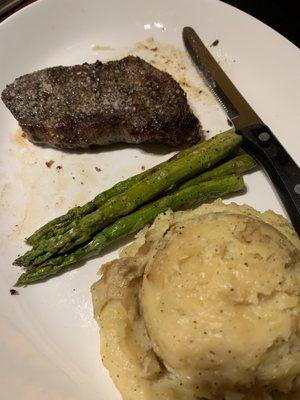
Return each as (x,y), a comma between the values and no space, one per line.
(204,156)
(236,165)
(61,223)
(132,223)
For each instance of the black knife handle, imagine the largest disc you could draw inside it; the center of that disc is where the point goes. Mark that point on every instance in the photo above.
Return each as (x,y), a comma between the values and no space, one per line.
(262,144)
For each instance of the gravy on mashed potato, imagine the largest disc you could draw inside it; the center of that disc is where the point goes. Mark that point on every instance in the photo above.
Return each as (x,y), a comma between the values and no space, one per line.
(204,304)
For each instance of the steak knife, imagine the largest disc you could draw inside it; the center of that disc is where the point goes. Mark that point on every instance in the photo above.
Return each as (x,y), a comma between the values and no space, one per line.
(258,140)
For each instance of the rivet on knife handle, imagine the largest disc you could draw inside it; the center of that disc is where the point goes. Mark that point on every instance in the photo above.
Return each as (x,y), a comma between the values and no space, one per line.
(262,144)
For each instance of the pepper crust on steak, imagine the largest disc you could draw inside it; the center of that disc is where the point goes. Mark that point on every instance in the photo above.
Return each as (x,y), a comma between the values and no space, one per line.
(127,100)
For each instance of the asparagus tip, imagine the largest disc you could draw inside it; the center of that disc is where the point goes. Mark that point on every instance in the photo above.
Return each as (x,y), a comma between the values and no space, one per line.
(20,282)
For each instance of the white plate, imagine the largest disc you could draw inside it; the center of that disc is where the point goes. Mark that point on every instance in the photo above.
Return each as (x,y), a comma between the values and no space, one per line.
(48,340)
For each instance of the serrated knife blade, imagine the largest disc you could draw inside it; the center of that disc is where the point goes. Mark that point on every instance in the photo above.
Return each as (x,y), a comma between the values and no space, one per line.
(258,140)
(236,107)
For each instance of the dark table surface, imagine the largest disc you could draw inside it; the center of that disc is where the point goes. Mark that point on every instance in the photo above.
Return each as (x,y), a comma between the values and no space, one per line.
(282,16)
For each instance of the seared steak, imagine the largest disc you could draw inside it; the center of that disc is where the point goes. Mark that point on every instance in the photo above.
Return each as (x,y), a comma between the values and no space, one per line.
(97,104)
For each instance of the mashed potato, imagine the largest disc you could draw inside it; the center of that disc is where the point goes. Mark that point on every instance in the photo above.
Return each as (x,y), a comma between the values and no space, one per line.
(204,305)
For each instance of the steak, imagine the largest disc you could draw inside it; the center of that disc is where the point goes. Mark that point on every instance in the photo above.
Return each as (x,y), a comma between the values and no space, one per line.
(97,104)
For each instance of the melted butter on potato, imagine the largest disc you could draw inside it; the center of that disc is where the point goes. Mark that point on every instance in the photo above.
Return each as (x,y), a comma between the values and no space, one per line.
(204,305)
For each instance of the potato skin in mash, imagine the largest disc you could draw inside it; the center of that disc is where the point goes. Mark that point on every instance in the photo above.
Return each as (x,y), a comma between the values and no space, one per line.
(204,304)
